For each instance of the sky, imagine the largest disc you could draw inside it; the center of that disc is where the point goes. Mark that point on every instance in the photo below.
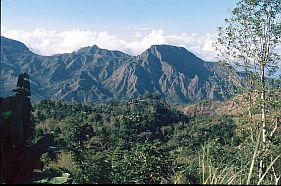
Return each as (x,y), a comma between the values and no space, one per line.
(50,27)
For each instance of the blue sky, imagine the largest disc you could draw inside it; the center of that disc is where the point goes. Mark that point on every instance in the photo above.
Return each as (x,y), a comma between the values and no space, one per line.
(126,25)
(171,15)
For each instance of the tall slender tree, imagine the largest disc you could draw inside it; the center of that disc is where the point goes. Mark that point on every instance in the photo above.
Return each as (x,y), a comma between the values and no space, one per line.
(249,42)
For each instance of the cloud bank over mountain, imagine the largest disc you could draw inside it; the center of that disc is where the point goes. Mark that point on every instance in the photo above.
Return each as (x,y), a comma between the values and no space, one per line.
(49,42)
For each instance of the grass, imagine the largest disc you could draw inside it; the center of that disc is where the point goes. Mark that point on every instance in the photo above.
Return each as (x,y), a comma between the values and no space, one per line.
(229,173)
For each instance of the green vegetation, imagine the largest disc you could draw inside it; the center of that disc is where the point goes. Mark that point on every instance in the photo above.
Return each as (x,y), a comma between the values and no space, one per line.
(145,141)
(249,41)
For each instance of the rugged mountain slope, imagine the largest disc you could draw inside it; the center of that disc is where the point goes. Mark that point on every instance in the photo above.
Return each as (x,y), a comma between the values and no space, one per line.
(95,74)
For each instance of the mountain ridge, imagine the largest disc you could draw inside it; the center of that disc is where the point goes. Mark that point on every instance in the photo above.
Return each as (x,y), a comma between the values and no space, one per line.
(95,74)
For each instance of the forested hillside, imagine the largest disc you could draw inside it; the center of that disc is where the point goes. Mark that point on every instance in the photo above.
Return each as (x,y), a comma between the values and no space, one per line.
(143,141)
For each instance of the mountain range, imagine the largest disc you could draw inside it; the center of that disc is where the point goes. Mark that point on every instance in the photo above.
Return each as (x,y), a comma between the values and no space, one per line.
(95,74)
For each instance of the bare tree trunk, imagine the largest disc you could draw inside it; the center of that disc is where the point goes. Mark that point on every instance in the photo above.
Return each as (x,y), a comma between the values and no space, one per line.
(250,106)
(263,135)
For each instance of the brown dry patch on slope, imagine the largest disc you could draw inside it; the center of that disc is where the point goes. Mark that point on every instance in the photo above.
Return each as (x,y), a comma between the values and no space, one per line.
(208,107)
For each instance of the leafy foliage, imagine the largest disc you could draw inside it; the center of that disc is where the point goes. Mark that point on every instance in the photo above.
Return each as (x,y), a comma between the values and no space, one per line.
(143,141)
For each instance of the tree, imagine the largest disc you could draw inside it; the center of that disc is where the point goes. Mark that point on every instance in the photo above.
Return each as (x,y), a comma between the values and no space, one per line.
(249,41)
(147,162)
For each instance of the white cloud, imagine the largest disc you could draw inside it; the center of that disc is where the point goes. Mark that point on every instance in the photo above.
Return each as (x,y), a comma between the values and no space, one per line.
(138,35)
(2,27)
(138,46)
(138,27)
(48,42)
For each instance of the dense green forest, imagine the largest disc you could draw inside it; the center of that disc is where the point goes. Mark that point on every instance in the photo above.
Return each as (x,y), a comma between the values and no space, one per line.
(143,141)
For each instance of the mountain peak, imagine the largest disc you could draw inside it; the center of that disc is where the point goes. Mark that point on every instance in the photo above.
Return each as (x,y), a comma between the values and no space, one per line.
(170,51)
(12,45)
(95,50)
(92,48)
(96,74)
(164,48)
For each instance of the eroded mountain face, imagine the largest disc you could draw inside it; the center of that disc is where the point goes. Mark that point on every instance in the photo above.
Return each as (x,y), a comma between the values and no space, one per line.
(95,74)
